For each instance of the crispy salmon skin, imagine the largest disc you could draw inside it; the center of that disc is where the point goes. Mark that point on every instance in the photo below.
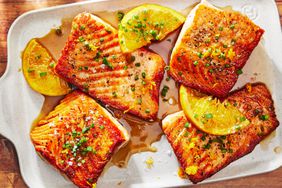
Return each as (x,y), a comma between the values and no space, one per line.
(92,60)
(78,138)
(201,155)
(212,48)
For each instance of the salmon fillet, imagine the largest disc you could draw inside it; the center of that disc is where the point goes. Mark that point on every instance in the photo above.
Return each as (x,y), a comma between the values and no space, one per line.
(78,138)
(92,60)
(212,48)
(201,155)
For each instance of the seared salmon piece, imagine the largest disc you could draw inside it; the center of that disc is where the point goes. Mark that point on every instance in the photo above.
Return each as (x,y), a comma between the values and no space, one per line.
(92,60)
(212,48)
(78,138)
(201,155)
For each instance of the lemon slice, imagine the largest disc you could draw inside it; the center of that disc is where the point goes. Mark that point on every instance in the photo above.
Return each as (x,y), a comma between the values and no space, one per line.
(38,69)
(145,23)
(211,115)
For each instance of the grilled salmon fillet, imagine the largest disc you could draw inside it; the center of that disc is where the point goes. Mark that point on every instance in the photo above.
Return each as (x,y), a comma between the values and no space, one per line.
(92,60)
(212,48)
(78,138)
(201,155)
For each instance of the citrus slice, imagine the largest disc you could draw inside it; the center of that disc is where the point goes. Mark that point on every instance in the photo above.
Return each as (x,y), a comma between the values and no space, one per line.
(38,69)
(211,115)
(145,23)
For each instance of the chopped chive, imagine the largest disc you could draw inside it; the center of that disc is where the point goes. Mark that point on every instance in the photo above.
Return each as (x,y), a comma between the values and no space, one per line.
(239,71)
(115,94)
(264,117)
(164,91)
(42,74)
(139,100)
(120,15)
(89,149)
(187,125)
(81,39)
(85,129)
(232,26)
(143,75)
(167,68)
(107,63)
(82,27)
(208,116)
(52,65)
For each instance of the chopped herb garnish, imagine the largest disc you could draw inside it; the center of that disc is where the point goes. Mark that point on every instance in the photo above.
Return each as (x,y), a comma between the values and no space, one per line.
(147,111)
(180,73)
(132,88)
(136,77)
(81,39)
(167,68)
(67,145)
(85,129)
(115,94)
(139,100)
(41,74)
(242,119)
(143,75)
(86,67)
(207,146)
(232,26)
(199,54)
(102,39)
(107,63)
(196,63)
(154,34)
(220,28)
(102,127)
(37,57)
(137,64)
(29,70)
(143,82)
(74,133)
(97,56)
(125,67)
(120,15)
(226,65)
(207,65)
(89,149)
(167,79)
(208,116)
(164,91)
(264,117)
(217,36)
(92,125)
(80,68)
(211,70)
(187,125)
(239,71)
(52,65)
(82,27)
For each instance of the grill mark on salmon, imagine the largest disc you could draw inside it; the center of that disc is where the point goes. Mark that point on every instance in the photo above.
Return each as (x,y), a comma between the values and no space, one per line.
(212,48)
(201,155)
(92,60)
(78,138)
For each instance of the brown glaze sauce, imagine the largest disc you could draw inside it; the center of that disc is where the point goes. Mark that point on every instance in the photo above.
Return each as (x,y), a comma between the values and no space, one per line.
(143,133)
